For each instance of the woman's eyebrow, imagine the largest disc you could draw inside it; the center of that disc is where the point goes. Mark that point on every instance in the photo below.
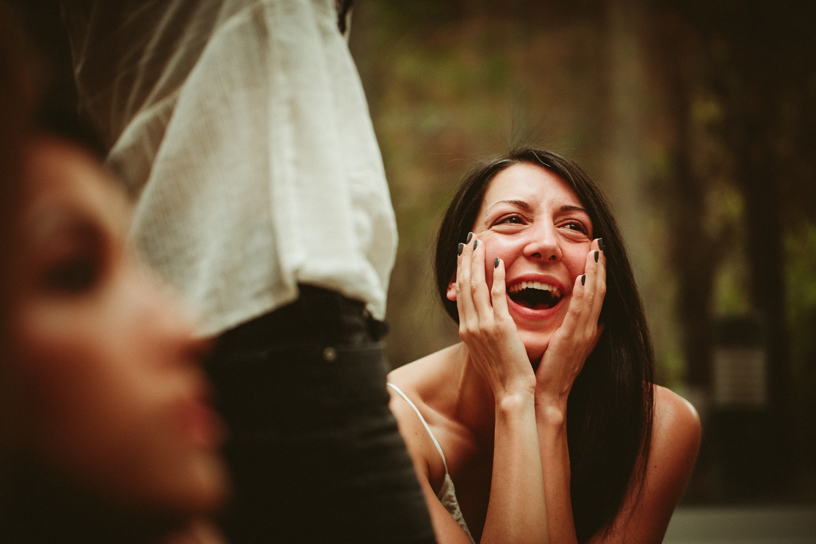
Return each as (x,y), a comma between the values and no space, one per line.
(525,206)
(517,203)
(571,208)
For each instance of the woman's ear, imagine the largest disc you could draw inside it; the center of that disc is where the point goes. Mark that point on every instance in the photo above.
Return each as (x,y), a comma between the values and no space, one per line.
(451,294)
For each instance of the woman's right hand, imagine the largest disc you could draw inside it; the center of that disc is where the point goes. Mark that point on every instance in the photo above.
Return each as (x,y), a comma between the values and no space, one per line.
(486,327)
(516,510)
(577,335)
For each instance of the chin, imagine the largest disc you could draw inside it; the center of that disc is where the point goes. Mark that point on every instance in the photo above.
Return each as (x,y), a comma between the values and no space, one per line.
(208,487)
(200,487)
(534,346)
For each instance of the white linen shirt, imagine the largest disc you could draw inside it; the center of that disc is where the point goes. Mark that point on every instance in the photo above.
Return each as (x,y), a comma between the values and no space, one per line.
(242,130)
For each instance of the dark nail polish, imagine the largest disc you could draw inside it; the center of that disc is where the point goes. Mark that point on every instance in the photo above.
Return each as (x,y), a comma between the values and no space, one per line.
(461,247)
(469,238)
(597,253)
(496,263)
(583,279)
(600,244)
(475,242)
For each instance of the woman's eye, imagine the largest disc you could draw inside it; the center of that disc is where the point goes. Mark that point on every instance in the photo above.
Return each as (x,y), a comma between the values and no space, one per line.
(576,226)
(511,219)
(74,275)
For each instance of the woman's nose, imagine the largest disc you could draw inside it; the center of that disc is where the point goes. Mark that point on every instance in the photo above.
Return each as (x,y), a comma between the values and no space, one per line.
(172,329)
(542,243)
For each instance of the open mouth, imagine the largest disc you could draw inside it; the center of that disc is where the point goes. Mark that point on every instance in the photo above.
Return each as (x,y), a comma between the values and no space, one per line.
(535,295)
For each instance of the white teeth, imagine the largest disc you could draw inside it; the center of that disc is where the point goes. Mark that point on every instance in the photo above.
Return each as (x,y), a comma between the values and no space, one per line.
(515,288)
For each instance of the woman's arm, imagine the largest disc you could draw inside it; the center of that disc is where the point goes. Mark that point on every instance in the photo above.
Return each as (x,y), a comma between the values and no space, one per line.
(563,360)
(675,431)
(516,510)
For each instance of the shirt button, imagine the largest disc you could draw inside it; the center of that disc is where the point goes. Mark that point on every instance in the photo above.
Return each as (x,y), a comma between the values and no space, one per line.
(330,354)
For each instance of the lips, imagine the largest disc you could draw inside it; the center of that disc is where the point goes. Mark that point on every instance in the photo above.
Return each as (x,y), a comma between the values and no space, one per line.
(535,295)
(200,424)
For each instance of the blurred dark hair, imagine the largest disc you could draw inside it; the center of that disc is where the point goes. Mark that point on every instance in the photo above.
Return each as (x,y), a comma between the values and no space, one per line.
(17,96)
(611,404)
(17,87)
(56,110)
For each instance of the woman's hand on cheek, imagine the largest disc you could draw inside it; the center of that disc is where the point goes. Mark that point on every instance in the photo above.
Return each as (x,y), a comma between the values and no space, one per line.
(486,327)
(577,336)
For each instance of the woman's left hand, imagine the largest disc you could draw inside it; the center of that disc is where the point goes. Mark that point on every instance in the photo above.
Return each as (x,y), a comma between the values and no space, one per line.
(578,334)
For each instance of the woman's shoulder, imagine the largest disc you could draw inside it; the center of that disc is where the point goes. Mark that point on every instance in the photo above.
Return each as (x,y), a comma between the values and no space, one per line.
(676,435)
(415,383)
(422,370)
(673,451)
(674,414)
(419,382)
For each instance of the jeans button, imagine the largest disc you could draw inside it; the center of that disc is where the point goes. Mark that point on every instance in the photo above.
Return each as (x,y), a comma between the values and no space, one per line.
(330,354)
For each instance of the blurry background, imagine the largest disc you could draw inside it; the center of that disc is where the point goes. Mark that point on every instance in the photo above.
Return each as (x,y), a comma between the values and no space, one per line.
(698,118)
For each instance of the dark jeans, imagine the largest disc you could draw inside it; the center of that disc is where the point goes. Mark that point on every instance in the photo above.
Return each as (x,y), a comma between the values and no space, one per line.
(314,452)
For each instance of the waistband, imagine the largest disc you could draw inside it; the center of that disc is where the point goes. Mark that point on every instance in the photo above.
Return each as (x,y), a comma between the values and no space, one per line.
(318,315)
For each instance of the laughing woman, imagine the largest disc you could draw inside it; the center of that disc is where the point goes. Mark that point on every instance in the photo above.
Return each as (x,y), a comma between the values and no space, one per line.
(545,416)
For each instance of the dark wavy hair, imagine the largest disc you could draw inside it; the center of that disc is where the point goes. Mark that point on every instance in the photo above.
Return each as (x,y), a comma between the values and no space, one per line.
(610,406)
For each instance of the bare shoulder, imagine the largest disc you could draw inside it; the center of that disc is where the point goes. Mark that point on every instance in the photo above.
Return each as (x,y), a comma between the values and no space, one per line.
(422,370)
(676,422)
(674,445)
(410,409)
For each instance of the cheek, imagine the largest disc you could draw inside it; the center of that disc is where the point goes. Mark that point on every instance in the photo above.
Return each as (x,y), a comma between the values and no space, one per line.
(576,260)
(500,248)
(78,392)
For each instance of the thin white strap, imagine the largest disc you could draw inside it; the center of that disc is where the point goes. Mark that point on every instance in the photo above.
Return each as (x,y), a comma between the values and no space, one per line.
(422,419)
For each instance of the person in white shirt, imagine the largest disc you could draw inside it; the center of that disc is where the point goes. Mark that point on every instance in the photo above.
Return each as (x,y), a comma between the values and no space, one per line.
(241,129)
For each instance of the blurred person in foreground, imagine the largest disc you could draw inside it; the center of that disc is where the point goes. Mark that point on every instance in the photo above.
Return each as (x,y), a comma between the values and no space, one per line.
(545,416)
(241,129)
(106,431)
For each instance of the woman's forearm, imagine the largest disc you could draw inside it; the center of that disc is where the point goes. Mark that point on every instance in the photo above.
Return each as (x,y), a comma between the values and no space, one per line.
(517,509)
(551,422)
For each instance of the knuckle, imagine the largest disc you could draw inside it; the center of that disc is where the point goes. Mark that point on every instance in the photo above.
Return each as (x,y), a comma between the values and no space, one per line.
(491,329)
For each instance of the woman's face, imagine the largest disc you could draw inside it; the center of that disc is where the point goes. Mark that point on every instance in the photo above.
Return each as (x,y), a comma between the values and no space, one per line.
(536,224)
(112,395)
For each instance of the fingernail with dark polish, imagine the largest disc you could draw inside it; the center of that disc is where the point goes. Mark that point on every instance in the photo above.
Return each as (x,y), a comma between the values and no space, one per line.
(461,247)
(583,279)
(469,238)
(475,242)
(496,263)
(600,244)
(596,256)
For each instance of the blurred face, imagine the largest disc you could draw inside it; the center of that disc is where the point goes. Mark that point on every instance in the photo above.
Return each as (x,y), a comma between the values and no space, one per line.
(535,223)
(112,394)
